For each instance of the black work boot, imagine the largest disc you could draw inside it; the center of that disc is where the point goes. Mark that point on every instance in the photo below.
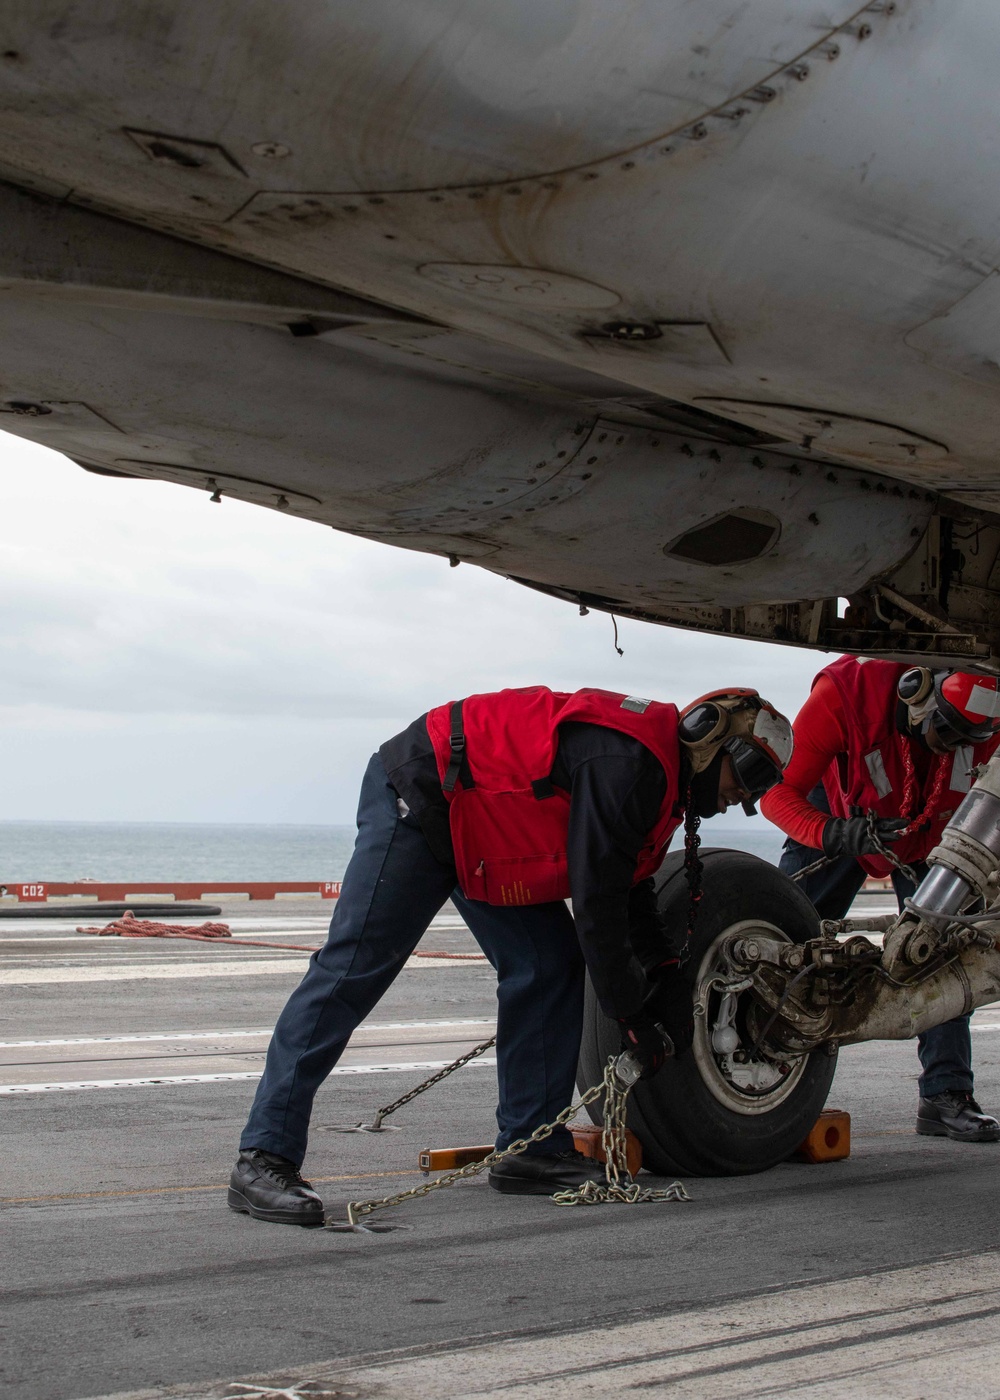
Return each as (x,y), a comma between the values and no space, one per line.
(269,1187)
(535,1174)
(955,1114)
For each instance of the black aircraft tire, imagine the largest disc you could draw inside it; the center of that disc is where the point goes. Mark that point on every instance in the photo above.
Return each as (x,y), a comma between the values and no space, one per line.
(683,1126)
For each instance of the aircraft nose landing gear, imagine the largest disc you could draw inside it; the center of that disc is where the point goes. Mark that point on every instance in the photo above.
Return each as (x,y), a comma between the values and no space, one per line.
(738,1101)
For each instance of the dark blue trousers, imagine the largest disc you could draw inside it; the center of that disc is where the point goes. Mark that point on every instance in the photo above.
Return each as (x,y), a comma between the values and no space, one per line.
(946,1051)
(392,889)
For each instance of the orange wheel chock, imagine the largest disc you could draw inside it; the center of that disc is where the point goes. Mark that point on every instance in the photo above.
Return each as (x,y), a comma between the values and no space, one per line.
(448,1159)
(828,1140)
(586,1140)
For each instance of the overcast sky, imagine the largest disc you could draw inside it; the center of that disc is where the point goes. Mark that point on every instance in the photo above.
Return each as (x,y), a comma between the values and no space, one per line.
(166,659)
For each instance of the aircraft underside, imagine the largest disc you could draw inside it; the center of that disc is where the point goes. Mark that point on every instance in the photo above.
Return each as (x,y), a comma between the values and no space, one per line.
(687,312)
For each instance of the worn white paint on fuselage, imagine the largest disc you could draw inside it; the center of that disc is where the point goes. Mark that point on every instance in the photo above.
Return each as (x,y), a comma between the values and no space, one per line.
(800,196)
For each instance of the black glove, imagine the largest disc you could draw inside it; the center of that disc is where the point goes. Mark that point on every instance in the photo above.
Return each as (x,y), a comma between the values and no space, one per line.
(848,836)
(641,1038)
(671,1003)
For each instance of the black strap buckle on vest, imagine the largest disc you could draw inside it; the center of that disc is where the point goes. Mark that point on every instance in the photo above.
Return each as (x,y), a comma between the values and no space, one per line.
(458,766)
(543,788)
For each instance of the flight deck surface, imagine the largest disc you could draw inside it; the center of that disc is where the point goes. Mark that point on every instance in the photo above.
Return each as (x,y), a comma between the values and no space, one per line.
(126,1071)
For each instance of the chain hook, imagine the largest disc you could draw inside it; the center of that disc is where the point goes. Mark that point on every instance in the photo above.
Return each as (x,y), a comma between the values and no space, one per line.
(378,1125)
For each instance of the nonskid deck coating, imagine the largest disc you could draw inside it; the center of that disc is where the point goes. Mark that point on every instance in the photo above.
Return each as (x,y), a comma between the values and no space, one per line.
(116,1229)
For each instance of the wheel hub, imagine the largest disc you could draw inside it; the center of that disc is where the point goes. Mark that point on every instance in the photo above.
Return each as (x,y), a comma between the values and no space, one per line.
(743,1077)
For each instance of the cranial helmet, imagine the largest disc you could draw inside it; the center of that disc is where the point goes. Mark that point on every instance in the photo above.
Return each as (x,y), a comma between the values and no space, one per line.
(964,709)
(756,736)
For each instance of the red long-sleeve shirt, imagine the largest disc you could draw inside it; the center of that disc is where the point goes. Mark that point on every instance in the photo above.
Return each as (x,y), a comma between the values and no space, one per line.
(821,734)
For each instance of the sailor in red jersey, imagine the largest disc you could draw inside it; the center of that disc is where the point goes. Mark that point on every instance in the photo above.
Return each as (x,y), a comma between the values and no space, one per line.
(900,742)
(509,804)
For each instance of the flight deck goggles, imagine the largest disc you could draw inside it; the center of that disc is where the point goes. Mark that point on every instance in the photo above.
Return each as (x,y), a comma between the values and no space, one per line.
(755,772)
(953,738)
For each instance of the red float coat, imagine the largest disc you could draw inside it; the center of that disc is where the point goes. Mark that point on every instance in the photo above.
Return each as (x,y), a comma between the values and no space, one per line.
(509,824)
(846,737)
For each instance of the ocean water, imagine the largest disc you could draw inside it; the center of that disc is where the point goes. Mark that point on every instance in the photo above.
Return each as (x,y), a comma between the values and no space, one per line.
(763,840)
(161,851)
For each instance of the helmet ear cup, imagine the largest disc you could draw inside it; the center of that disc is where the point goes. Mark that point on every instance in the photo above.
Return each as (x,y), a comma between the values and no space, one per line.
(915,685)
(703,723)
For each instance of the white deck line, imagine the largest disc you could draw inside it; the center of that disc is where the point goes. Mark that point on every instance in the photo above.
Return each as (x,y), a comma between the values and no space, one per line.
(245,967)
(75,1086)
(231,1035)
(250,967)
(266,1031)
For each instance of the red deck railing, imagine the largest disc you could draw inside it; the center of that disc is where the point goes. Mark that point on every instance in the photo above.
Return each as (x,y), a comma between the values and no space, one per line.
(38,891)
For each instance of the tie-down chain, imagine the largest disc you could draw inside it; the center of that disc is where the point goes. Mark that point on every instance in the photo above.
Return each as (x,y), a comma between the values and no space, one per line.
(618,1185)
